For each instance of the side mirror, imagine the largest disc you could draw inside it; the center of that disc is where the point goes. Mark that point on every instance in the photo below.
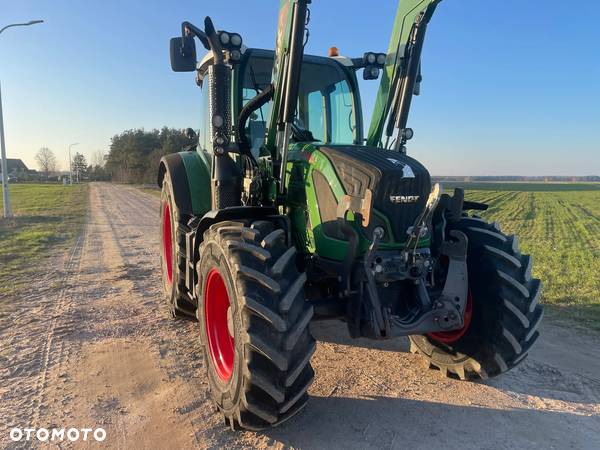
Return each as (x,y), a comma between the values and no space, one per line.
(183,54)
(190,133)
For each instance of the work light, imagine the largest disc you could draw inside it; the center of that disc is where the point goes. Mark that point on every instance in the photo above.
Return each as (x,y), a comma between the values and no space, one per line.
(236,40)
(224,37)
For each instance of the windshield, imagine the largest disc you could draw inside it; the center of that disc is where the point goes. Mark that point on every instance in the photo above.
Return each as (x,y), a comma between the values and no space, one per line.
(326,105)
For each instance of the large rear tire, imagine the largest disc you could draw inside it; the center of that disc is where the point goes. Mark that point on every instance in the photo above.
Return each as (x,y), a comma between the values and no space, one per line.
(504,313)
(254,324)
(173,227)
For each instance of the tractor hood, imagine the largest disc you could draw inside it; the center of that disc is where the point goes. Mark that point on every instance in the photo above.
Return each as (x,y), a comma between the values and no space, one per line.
(400,185)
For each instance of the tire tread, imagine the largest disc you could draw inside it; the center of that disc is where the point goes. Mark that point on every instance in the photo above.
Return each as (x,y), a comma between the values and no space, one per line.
(515,295)
(278,345)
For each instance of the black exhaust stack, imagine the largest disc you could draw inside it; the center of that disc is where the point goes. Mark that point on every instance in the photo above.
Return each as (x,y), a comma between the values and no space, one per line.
(226,177)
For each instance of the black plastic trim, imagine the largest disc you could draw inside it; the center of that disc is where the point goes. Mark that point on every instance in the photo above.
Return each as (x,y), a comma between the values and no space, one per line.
(233,213)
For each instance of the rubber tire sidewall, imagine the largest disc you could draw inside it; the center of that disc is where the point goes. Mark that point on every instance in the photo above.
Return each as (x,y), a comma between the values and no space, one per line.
(169,289)
(226,394)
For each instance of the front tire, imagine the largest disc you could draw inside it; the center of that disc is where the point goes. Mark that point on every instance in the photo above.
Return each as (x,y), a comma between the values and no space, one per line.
(504,310)
(173,228)
(254,324)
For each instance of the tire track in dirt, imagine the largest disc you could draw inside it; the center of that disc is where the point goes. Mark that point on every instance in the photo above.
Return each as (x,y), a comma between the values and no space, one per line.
(53,352)
(35,334)
(108,356)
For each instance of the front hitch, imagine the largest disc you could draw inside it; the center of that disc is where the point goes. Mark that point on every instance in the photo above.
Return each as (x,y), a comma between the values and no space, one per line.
(447,311)
(457,281)
(444,313)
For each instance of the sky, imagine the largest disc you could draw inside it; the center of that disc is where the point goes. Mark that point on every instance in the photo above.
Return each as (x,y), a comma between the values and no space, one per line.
(509,87)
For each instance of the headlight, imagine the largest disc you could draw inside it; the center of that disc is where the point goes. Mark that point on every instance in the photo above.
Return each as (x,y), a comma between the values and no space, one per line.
(217,121)
(371,73)
(236,40)
(381,59)
(224,37)
(408,133)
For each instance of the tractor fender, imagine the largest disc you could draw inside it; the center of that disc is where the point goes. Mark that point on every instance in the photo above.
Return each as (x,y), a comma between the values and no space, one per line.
(190,176)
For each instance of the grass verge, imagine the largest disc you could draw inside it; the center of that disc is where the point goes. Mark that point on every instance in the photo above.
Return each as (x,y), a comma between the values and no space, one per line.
(561,230)
(47,218)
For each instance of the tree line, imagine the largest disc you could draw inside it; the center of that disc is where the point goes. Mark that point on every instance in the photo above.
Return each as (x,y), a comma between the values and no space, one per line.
(133,157)
(135,154)
(82,171)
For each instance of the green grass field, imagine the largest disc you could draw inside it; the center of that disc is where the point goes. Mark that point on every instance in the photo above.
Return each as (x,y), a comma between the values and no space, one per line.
(47,219)
(560,227)
(522,187)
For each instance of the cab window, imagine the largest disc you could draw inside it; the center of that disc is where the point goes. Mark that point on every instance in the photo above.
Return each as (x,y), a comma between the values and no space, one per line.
(326,105)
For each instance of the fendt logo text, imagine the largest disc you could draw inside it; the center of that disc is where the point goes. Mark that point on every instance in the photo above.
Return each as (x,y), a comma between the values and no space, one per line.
(404,198)
(57,434)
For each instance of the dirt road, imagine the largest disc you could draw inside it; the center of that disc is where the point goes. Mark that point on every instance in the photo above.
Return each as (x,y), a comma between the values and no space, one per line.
(90,345)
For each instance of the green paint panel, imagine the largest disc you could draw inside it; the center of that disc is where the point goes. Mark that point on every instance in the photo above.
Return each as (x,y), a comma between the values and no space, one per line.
(303,206)
(282,48)
(197,168)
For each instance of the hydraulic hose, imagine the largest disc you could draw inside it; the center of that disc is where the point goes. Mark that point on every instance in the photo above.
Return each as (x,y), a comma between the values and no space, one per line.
(255,103)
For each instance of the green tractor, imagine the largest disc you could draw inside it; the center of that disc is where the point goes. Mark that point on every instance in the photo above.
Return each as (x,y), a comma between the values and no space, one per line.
(286,213)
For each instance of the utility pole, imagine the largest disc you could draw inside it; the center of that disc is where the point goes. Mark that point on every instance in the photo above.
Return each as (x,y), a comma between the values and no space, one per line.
(5,197)
(71,164)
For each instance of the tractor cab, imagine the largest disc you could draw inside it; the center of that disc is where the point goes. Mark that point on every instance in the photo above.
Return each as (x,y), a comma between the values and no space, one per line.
(328,108)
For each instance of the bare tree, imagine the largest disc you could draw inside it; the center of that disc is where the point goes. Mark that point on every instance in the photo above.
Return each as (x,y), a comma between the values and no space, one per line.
(98,158)
(46,160)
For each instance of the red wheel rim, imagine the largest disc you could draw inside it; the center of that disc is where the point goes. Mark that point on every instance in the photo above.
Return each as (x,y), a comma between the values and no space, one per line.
(449,337)
(216,310)
(166,242)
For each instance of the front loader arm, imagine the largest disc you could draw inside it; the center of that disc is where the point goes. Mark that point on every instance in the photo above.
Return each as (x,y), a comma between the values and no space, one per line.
(398,70)
(285,79)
